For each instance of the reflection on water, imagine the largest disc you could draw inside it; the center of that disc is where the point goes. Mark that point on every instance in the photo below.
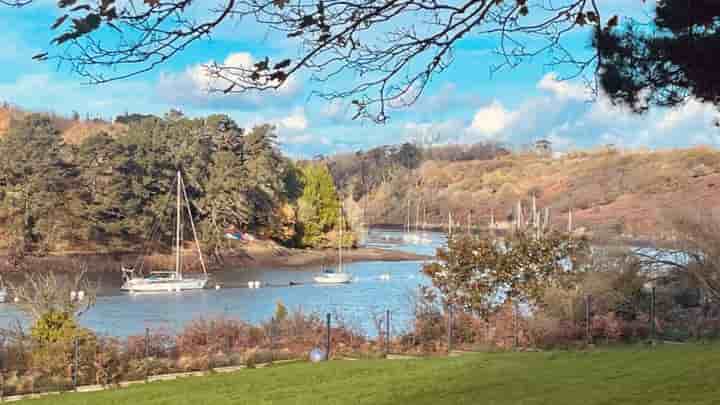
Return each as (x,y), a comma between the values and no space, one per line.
(377,286)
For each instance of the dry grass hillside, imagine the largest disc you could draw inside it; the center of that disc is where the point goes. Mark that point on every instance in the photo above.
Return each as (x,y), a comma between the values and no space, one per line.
(73,131)
(618,192)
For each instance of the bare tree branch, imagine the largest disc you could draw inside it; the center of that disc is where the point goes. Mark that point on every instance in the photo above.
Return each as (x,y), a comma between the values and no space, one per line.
(383,53)
(42,293)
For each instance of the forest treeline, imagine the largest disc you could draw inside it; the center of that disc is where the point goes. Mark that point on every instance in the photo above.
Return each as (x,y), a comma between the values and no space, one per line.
(115,190)
(362,172)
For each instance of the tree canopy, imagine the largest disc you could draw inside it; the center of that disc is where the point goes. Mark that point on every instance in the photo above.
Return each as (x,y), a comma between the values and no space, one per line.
(666,62)
(116,190)
(479,272)
(319,205)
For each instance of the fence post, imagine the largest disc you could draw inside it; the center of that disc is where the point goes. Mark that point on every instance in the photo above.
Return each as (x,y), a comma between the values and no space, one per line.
(76,362)
(147,342)
(652,315)
(2,375)
(147,354)
(450,328)
(387,332)
(272,339)
(588,321)
(515,325)
(327,342)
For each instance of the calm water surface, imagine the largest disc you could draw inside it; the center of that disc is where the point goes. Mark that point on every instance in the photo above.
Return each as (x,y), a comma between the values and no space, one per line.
(122,314)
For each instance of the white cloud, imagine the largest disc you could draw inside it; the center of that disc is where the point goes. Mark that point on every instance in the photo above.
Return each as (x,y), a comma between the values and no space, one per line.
(491,121)
(434,133)
(193,87)
(293,132)
(335,111)
(569,120)
(563,89)
(296,121)
(692,111)
(306,139)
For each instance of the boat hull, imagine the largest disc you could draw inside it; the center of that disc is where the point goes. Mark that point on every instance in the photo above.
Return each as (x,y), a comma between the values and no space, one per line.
(145,285)
(336,278)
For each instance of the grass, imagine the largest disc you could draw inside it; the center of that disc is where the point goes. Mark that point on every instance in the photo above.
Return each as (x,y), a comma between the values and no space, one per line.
(688,374)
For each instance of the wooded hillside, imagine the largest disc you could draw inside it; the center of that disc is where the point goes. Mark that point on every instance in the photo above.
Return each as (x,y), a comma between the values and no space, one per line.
(609,191)
(72,184)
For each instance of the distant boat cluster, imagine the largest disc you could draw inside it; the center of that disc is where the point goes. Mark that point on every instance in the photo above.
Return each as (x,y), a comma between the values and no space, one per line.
(416,238)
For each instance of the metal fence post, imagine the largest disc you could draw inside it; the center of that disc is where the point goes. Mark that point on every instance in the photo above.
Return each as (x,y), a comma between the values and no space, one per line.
(76,362)
(652,315)
(147,354)
(327,342)
(588,321)
(272,339)
(450,328)
(387,332)
(2,375)
(147,342)
(515,325)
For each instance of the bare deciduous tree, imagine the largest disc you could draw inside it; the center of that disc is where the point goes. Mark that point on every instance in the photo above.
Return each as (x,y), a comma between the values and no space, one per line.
(44,292)
(694,251)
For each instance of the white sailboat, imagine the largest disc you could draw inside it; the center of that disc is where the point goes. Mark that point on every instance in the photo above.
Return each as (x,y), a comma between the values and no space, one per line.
(333,276)
(169,281)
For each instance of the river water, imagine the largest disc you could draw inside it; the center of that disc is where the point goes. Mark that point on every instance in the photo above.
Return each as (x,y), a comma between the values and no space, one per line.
(378,286)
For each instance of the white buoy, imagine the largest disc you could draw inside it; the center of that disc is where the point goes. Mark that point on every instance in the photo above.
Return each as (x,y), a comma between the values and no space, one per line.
(250,284)
(217,286)
(73,295)
(257,284)
(81,295)
(16,300)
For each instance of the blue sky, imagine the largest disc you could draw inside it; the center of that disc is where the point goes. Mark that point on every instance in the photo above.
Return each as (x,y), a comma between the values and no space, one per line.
(463,104)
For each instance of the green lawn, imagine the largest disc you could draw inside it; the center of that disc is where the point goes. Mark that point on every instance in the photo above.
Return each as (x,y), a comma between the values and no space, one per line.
(665,375)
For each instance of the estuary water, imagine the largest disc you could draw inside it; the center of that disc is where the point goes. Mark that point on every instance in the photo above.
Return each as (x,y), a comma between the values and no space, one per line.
(377,287)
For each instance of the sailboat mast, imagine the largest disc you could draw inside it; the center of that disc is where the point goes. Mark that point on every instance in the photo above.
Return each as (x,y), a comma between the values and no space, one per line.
(341,238)
(194,231)
(178,272)
(407,225)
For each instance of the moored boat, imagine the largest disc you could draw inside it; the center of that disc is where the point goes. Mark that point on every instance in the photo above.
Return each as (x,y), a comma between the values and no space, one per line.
(170,280)
(339,276)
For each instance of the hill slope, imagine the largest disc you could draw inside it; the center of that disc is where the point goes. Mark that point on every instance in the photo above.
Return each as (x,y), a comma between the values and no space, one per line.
(608,191)
(73,131)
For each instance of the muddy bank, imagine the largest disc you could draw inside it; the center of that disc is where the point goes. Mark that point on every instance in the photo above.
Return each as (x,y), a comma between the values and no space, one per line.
(255,255)
(283,257)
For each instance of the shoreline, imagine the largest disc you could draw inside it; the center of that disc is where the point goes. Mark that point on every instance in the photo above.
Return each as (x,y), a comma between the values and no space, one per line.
(255,255)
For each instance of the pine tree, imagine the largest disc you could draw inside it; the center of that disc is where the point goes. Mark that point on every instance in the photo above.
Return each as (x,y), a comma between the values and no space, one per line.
(36,180)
